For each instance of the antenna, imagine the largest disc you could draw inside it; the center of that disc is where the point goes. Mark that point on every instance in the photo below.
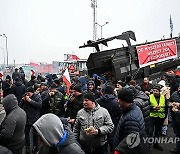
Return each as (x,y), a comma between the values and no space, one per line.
(94,7)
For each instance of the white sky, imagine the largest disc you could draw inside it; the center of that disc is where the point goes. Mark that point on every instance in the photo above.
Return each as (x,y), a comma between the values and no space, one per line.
(45,30)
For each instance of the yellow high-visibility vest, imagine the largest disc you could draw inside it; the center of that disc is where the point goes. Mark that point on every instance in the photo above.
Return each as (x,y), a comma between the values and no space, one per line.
(157,113)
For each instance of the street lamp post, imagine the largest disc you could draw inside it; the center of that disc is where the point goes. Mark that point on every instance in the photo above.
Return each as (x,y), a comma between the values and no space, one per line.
(101,30)
(3,54)
(6,46)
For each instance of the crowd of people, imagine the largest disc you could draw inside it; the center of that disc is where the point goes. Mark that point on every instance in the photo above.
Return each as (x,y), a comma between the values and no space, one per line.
(93,116)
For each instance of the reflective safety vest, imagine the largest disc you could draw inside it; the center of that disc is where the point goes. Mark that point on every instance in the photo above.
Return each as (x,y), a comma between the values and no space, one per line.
(157,113)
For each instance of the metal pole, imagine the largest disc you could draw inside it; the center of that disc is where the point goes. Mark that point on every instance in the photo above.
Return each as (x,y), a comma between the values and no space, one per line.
(3,54)
(101,32)
(6,49)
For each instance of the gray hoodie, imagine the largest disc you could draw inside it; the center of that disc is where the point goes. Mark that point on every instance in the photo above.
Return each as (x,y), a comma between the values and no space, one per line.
(52,132)
(12,128)
(2,113)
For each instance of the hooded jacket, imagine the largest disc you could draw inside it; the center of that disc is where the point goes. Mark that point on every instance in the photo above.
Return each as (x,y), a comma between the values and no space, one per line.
(2,113)
(58,139)
(12,129)
(100,119)
(142,101)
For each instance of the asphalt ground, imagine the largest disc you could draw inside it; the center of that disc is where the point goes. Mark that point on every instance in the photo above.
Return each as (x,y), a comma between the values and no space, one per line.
(166,146)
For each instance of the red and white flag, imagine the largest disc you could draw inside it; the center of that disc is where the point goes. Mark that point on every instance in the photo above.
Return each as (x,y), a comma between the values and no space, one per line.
(66,79)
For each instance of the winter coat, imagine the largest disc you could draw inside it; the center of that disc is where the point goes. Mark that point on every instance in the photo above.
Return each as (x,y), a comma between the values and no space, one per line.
(175,97)
(148,88)
(109,102)
(32,108)
(142,101)
(6,87)
(16,75)
(131,121)
(59,139)
(45,101)
(133,144)
(56,104)
(74,106)
(18,89)
(12,128)
(100,119)
(31,83)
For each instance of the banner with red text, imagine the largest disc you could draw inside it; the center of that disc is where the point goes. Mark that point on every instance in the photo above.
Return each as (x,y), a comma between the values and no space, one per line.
(156,52)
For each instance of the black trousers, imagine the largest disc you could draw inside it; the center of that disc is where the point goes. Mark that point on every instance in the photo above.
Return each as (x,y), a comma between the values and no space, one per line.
(99,150)
(156,126)
(27,136)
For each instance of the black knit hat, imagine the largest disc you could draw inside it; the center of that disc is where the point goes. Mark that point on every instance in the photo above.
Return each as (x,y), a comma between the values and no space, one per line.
(30,89)
(77,88)
(123,84)
(109,89)
(126,94)
(33,77)
(57,81)
(90,96)
(157,86)
(43,84)
(53,86)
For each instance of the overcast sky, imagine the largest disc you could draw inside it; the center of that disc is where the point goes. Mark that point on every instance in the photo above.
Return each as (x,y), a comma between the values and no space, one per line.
(45,30)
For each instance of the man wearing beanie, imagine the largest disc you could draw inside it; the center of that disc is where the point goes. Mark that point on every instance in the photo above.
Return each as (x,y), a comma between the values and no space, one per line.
(93,124)
(158,113)
(12,128)
(75,104)
(31,103)
(91,88)
(109,102)
(131,120)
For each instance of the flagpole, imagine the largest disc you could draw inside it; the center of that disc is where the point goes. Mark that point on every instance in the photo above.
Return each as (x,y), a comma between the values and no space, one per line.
(171,26)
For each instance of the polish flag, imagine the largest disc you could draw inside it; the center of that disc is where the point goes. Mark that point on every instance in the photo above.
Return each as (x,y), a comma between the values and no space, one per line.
(66,79)
(32,73)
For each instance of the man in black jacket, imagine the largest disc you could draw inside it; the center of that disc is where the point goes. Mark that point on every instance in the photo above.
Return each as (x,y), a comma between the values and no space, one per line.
(12,128)
(109,102)
(18,89)
(31,103)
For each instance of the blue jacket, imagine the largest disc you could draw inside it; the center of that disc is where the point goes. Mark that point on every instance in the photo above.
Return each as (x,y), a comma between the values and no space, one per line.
(131,121)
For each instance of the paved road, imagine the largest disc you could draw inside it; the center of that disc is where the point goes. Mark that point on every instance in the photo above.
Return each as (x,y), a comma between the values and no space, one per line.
(166,146)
